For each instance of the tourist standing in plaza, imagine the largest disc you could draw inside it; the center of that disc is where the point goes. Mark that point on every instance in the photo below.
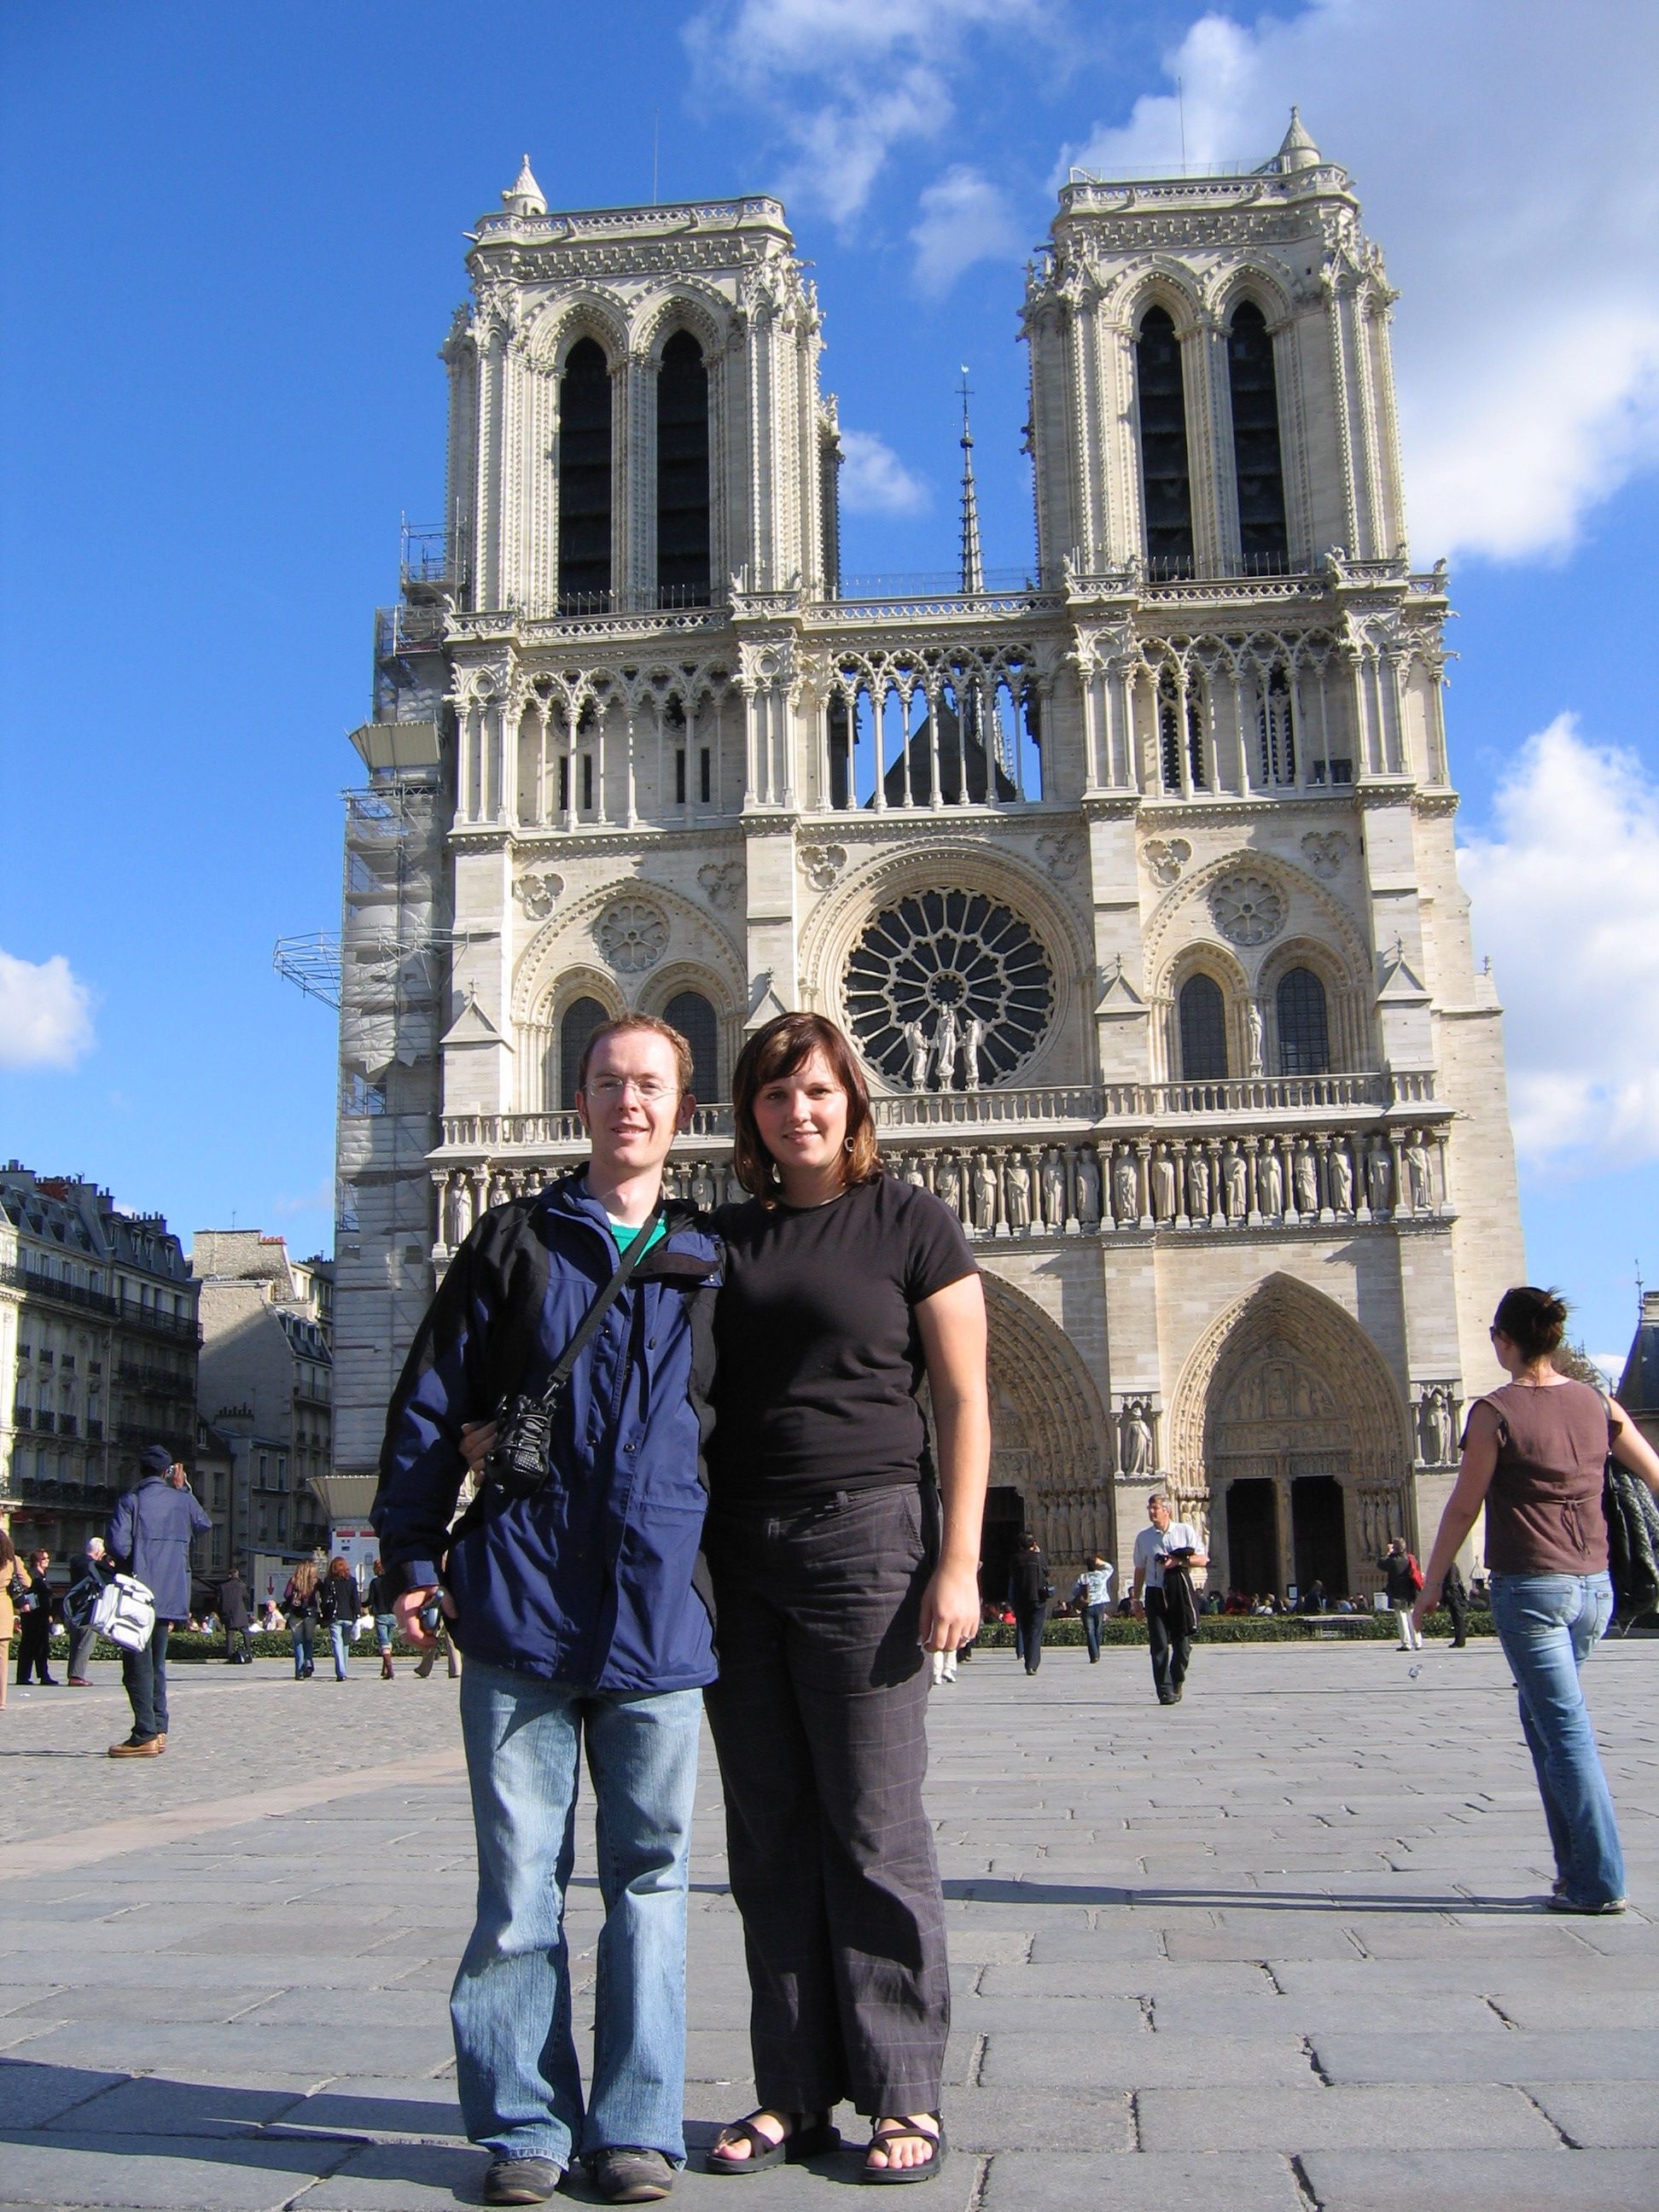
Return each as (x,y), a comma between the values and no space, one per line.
(839,1560)
(34,1616)
(1030,1589)
(336,1609)
(301,1606)
(1166,1554)
(576,1593)
(1092,1596)
(380,1600)
(1533,1456)
(79,1599)
(1454,1600)
(149,1536)
(1403,1580)
(234,1619)
(10,1581)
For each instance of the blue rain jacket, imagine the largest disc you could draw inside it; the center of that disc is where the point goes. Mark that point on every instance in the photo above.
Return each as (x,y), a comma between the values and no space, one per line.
(149,1533)
(598,1580)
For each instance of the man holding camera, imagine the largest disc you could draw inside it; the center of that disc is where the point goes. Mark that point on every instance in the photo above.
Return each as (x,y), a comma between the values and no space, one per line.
(573,1585)
(1166,1552)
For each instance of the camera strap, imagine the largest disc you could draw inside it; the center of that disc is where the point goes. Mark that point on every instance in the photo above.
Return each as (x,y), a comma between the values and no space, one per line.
(565,1366)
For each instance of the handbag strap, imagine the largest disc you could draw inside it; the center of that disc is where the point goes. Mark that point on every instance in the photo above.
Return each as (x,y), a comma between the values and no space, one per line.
(565,1366)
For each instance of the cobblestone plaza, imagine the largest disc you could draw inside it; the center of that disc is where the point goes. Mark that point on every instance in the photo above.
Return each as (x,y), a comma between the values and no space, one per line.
(1279,1946)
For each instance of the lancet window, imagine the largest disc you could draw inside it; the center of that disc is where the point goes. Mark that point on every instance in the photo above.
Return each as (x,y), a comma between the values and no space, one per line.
(1181,726)
(682,564)
(1203,1022)
(585,481)
(1165,471)
(690,1013)
(1263,539)
(582,1017)
(1303,1030)
(1276,729)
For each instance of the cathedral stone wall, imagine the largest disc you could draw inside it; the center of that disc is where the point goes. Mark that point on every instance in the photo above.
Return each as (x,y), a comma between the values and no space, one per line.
(1136,891)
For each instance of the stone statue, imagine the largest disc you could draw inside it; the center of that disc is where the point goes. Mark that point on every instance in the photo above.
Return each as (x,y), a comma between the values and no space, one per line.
(915,1173)
(1137,1439)
(1238,1183)
(702,1187)
(1198,1185)
(458,1210)
(1341,1179)
(1307,1183)
(1125,1187)
(499,1192)
(1435,1426)
(1419,1177)
(945,1051)
(947,1183)
(1379,1170)
(1088,1188)
(1254,1034)
(985,1193)
(735,1193)
(1272,1183)
(1163,1185)
(1053,1189)
(1018,1184)
(915,1039)
(973,1036)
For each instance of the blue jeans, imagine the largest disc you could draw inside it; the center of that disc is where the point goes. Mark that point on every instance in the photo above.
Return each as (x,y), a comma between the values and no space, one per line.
(339,1636)
(1093,1615)
(520,2083)
(145,1676)
(1548,1625)
(304,1632)
(386,1627)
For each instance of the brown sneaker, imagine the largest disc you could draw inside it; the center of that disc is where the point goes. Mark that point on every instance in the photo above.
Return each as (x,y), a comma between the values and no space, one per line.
(147,1746)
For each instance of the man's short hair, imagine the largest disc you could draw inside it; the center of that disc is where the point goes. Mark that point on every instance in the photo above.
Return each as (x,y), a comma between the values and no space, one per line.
(621,1026)
(1157,1498)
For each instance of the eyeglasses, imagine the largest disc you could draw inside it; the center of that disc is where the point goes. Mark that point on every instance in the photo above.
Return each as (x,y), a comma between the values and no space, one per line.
(649,1089)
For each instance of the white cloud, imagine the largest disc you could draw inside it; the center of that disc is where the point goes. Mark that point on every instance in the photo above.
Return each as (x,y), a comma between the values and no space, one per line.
(873,479)
(847,81)
(1503,151)
(1565,898)
(45,1013)
(965,218)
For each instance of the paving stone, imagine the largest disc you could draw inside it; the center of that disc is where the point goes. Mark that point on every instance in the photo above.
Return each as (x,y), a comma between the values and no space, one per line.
(1463,2117)
(1483,2181)
(1152,2181)
(1601,2114)
(1118,2061)
(152,2104)
(1611,2054)
(137,2173)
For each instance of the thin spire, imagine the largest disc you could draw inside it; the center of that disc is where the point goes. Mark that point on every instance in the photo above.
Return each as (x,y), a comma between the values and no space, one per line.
(972,563)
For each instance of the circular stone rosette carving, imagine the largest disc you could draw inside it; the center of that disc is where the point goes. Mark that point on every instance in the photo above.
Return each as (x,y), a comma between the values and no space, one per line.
(1247,909)
(632,934)
(943,960)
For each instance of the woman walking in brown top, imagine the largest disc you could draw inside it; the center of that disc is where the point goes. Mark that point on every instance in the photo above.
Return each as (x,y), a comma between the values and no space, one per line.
(1533,1454)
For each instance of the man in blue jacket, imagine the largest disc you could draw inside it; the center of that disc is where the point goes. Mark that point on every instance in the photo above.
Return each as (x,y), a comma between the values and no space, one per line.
(581,1614)
(149,1536)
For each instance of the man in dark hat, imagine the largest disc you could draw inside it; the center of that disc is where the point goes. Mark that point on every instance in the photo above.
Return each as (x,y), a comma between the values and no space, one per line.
(149,1534)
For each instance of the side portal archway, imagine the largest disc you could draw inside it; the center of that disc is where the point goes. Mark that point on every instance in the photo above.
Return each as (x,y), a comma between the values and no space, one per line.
(1049,1440)
(1290,1444)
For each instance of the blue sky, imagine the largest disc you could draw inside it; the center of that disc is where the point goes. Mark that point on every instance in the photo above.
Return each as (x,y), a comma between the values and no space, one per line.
(230,240)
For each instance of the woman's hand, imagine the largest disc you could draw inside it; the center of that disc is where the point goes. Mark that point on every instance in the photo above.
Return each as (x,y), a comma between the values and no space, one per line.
(950,1609)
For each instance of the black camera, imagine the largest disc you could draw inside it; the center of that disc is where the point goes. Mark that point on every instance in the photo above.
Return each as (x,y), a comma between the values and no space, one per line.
(521,1458)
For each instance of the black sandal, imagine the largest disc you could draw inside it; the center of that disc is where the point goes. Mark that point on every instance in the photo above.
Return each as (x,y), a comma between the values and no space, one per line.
(890,2131)
(798,2142)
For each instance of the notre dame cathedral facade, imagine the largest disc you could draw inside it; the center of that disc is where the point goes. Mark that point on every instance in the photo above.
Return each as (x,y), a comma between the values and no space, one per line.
(1135,886)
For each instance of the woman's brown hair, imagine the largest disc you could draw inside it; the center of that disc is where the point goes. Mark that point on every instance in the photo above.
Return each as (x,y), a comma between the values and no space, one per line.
(304,1578)
(1533,1319)
(781,1047)
(340,1567)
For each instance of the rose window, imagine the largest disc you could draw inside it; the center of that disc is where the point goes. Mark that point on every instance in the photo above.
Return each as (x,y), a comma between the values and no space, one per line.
(632,934)
(948,990)
(1247,909)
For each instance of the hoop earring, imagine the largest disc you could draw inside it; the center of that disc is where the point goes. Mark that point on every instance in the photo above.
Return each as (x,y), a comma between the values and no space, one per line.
(848,1147)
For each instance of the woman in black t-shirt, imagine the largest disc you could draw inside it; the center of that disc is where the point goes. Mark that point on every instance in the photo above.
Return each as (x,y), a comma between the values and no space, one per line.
(834,1571)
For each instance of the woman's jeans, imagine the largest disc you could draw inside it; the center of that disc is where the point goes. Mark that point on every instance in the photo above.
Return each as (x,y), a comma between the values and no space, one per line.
(304,1632)
(386,1627)
(1093,1615)
(1548,1625)
(339,1636)
(520,2082)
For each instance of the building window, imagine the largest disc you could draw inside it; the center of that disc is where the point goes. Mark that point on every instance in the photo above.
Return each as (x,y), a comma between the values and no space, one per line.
(1203,1032)
(1262,537)
(1276,730)
(690,1013)
(1304,1032)
(585,481)
(582,1017)
(1165,477)
(683,475)
(1169,731)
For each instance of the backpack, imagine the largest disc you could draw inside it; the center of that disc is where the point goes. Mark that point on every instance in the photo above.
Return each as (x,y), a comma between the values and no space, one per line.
(1415,1571)
(125,1613)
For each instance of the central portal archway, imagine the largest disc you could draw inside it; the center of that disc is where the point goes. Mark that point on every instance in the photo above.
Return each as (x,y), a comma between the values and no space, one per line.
(1290,1438)
(1048,1440)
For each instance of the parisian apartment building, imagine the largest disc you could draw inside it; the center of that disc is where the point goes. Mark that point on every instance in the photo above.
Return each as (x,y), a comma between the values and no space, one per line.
(264,1399)
(99,1343)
